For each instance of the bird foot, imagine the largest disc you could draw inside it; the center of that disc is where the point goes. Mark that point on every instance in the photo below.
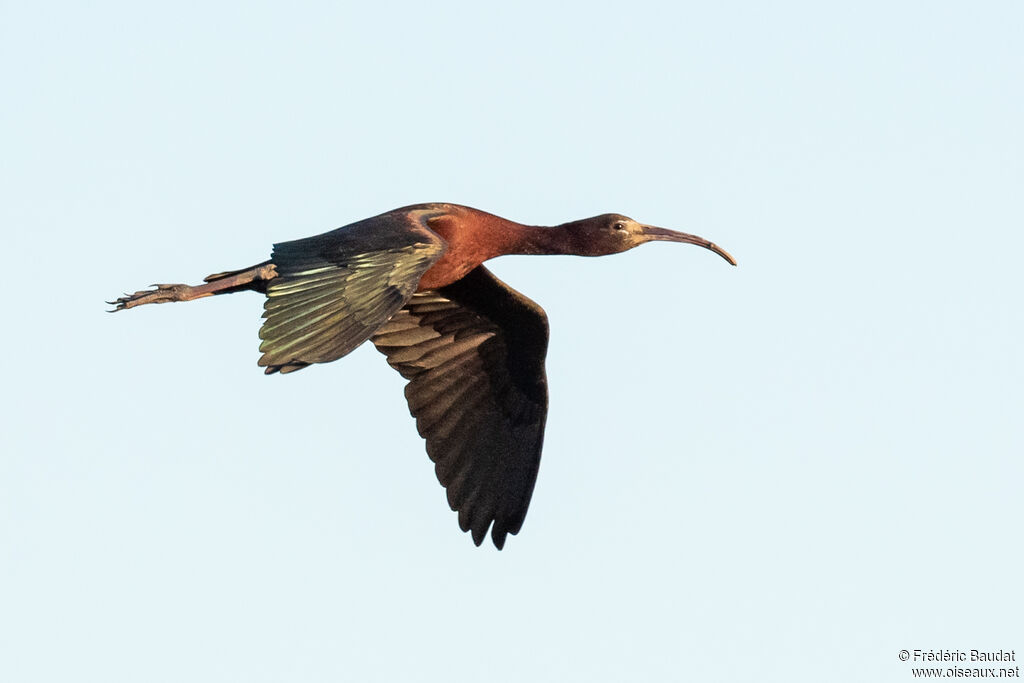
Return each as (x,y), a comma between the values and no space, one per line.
(161,295)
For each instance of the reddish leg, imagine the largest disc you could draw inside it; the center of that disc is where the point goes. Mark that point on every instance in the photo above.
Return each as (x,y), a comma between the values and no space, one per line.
(254,278)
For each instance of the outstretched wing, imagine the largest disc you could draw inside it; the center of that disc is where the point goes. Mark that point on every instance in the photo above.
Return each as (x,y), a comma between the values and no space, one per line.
(473,353)
(334,290)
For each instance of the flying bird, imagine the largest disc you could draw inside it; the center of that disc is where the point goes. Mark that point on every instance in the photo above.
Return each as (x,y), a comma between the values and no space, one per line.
(472,348)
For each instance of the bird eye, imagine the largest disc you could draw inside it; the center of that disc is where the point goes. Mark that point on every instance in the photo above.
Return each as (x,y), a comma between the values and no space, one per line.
(620,225)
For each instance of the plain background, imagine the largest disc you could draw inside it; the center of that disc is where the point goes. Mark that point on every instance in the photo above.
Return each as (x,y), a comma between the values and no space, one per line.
(785,471)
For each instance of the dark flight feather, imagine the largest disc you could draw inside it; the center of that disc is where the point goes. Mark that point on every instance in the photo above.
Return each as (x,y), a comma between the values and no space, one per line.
(473,353)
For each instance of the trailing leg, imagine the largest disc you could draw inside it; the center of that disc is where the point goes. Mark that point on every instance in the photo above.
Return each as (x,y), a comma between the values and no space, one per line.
(254,278)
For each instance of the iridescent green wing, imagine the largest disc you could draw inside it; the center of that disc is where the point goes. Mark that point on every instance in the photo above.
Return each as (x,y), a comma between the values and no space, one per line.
(334,290)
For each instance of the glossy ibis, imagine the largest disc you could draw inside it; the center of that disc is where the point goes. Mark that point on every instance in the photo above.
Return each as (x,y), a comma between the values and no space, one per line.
(471,347)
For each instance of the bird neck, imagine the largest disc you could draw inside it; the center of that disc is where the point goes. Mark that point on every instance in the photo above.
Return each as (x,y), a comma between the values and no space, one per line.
(537,239)
(478,236)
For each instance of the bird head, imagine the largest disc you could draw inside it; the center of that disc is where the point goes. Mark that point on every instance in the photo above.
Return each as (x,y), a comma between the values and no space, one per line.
(613,233)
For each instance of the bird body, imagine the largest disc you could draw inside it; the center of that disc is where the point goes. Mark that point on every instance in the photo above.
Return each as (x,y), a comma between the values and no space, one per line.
(412,281)
(471,236)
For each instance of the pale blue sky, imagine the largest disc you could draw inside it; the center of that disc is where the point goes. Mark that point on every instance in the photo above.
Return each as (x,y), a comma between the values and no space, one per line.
(785,471)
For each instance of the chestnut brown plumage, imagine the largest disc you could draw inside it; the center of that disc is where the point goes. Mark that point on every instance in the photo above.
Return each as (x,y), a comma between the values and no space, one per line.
(471,347)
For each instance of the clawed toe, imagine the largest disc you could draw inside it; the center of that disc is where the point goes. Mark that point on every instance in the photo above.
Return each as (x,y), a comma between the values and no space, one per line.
(160,295)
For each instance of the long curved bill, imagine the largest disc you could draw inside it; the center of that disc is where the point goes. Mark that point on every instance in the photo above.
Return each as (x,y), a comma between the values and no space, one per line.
(664,235)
